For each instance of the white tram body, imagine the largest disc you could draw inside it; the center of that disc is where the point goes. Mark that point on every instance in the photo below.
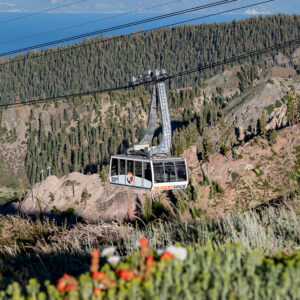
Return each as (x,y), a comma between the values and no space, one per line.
(156,173)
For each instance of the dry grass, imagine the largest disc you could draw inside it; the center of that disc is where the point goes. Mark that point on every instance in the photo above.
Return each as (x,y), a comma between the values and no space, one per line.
(270,229)
(45,250)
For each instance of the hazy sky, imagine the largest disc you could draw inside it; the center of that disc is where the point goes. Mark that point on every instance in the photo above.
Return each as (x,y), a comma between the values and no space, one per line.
(104,6)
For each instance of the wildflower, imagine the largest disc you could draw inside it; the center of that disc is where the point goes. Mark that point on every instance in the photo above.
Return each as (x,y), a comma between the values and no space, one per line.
(126,274)
(109,251)
(67,283)
(150,262)
(113,260)
(160,251)
(249,167)
(144,242)
(104,280)
(95,253)
(95,261)
(166,256)
(97,291)
(98,275)
(179,252)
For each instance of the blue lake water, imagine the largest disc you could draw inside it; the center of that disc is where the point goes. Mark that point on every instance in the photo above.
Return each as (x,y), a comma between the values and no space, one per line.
(37,29)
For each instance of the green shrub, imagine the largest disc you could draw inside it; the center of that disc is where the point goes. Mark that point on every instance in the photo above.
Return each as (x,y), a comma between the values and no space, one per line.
(269,108)
(147,210)
(55,210)
(75,115)
(85,195)
(104,173)
(51,196)
(258,170)
(235,175)
(205,273)
(278,103)
(67,213)
(272,136)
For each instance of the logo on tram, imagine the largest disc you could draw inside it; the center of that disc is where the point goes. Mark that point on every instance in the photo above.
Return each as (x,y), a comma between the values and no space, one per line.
(129,177)
(170,187)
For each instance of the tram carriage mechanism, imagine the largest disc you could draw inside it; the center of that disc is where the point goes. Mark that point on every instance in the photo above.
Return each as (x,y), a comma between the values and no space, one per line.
(149,167)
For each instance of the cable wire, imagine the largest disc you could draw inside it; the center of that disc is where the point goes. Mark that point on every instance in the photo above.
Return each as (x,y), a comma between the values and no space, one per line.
(131,24)
(183,73)
(41,12)
(82,45)
(218,13)
(91,22)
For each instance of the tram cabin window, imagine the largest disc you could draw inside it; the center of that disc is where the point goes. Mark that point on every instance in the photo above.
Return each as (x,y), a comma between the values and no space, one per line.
(114,167)
(181,171)
(122,167)
(147,171)
(130,166)
(170,172)
(138,169)
(159,174)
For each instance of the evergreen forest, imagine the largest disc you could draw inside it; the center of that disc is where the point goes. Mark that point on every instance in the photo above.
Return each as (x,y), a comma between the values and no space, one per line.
(109,63)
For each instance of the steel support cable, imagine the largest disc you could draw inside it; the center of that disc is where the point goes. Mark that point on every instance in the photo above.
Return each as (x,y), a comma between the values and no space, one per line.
(131,24)
(82,45)
(218,13)
(91,22)
(182,73)
(41,12)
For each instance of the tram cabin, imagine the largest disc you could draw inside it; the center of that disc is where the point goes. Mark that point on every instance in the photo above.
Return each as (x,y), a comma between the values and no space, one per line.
(148,173)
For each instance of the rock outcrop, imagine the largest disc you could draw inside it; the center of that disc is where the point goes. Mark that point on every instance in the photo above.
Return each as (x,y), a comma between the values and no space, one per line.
(253,172)
(86,195)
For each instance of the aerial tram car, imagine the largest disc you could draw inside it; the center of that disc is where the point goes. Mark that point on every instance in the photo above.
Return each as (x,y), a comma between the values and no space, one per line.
(149,167)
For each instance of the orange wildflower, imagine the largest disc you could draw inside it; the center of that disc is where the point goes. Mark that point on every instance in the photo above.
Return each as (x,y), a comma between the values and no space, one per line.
(67,283)
(97,291)
(144,242)
(98,275)
(126,274)
(150,262)
(167,256)
(104,279)
(95,261)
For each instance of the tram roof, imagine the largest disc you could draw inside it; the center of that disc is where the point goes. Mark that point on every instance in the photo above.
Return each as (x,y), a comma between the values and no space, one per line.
(153,159)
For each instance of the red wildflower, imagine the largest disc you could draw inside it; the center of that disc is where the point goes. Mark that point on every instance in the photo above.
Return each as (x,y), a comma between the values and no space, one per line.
(167,256)
(67,283)
(126,274)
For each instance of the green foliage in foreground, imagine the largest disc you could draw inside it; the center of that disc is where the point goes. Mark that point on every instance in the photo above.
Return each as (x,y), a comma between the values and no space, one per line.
(206,273)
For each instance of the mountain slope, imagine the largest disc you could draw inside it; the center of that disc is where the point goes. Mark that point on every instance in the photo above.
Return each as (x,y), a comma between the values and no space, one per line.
(107,64)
